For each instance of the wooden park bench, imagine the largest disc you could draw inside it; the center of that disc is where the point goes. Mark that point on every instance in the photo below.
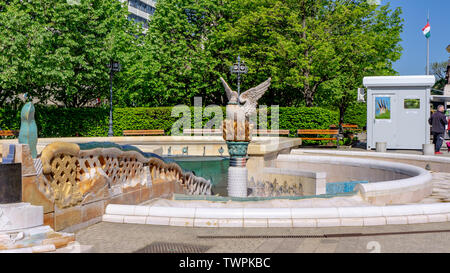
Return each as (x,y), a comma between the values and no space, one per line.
(6,133)
(261,132)
(332,132)
(348,127)
(143,132)
(202,132)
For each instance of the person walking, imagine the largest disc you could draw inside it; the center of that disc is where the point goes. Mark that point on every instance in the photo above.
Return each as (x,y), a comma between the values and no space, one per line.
(438,121)
(448,131)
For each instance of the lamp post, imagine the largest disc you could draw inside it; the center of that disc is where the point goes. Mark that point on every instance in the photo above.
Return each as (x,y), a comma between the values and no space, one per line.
(239,68)
(113,67)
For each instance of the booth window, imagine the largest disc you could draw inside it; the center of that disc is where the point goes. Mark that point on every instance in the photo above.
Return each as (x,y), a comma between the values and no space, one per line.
(411,104)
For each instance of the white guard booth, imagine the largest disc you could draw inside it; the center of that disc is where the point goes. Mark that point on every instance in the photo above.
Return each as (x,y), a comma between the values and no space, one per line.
(398,108)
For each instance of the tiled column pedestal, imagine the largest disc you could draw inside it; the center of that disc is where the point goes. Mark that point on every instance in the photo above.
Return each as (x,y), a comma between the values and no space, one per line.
(237,173)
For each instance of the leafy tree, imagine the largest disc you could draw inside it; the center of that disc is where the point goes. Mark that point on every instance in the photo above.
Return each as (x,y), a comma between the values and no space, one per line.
(439,69)
(304,44)
(177,63)
(19,37)
(57,51)
(369,44)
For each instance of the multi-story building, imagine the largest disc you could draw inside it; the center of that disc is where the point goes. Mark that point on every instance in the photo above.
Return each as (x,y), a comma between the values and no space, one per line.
(140,10)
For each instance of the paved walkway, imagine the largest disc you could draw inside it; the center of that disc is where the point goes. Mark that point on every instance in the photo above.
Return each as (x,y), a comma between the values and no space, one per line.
(441,188)
(113,237)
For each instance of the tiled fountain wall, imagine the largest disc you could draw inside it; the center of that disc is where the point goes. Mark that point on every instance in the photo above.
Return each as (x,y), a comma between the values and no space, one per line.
(75,185)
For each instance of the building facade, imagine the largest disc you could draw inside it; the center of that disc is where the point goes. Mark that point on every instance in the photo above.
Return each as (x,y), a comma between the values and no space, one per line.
(140,10)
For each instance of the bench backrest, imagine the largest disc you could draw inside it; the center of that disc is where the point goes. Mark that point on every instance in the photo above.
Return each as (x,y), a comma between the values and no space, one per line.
(317,131)
(202,131)
(354,126)
(142,132)
(9,133)
(271,132)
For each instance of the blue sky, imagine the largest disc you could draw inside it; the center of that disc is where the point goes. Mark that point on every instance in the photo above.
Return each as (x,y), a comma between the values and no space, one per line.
(413,60)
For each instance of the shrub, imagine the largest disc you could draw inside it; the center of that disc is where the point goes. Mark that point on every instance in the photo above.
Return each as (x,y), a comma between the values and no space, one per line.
(356,114)
(88,122)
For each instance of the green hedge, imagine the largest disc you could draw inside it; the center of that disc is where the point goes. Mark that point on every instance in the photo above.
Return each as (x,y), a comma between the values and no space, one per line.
(356,114)
(65,122)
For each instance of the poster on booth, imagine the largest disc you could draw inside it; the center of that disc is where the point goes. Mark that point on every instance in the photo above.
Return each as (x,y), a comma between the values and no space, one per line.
(382,108)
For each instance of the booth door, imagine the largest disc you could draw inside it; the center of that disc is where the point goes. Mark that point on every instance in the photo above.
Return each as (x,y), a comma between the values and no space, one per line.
(412,120)
(384,127)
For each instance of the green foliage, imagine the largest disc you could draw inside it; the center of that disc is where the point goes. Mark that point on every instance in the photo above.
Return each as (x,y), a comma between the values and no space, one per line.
(439,69)
(294,118)
(356,114)
(316,51)
(58,52)
(89,122)
(176,62)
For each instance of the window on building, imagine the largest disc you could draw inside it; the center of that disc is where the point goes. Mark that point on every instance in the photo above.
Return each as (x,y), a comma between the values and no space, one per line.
(411,104)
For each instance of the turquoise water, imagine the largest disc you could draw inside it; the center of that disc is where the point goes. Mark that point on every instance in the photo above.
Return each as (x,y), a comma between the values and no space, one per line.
(208,167)
(342,187)
(216,170)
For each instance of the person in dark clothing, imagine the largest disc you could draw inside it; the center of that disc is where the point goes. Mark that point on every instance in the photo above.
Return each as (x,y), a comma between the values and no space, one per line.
(438,121)
(448,142)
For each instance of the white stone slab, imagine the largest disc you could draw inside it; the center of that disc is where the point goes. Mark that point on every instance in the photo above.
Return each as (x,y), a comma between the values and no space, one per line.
(352,222)
(396,220)
(231,223)
(280,222)
(255,223)
(375,221)
(20,216)
(402,210)
(350,212)
(172,212)
(120,209)
(434,218)
(304,223)
(181,222)
(132,219)
(153,220)
(205,222)
(221,213)
(311,213)
(271,213)
(112,218)
(436,208)
(417,219)
(141,210)
(332,222)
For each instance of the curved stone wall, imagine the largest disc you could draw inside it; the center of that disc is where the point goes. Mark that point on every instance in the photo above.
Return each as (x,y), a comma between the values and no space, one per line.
(391,182)
(278,217)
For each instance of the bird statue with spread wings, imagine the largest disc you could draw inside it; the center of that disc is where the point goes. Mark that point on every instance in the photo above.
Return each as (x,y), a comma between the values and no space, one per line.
(249,98)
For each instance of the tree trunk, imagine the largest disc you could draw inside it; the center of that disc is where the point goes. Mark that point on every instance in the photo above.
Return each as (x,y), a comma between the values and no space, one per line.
(342,109)
(309,97)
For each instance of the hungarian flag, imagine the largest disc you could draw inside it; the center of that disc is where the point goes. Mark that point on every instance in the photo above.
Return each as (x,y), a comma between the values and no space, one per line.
(426,30)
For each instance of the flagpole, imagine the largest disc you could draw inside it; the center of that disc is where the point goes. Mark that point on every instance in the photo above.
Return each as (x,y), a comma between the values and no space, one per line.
(428,46)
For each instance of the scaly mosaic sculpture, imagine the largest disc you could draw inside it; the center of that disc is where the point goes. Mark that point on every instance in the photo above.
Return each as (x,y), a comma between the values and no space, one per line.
(78,173)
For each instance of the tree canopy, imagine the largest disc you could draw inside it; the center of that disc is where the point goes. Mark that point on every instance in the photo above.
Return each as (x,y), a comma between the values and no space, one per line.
(316,51)
(56,51)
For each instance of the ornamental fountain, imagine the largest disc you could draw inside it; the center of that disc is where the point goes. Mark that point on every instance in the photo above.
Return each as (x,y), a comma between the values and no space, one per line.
(237,129)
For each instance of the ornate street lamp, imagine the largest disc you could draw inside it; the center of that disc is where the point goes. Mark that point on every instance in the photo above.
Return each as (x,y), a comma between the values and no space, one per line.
(239,68)
(113,67)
